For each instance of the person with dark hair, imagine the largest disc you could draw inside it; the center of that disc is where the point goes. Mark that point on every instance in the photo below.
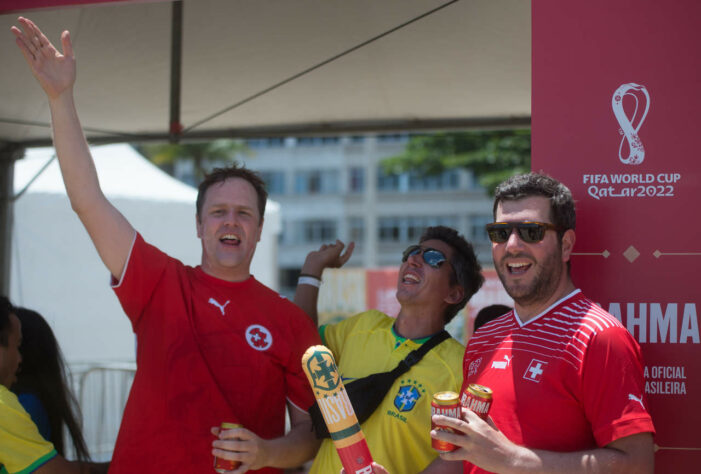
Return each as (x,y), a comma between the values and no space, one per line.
(489,313)
(42,388)
(567,377)
(22,448)
(213,344)
(436,279)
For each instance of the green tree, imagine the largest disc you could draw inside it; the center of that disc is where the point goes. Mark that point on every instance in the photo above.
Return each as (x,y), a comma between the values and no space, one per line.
(202,154)
(491,155)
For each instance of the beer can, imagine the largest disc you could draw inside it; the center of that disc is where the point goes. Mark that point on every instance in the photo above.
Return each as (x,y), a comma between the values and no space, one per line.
(223,465)
(477,398)
(446,404)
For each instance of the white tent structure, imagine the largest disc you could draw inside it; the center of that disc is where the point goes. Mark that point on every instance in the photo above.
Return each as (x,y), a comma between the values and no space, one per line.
(57,271)
(202,69)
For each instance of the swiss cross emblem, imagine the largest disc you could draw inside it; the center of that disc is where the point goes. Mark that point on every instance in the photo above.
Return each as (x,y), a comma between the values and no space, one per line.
(535,370)
(258,337)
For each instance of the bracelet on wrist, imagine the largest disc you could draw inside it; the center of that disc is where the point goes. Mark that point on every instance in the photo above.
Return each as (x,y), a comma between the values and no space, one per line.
(309,280)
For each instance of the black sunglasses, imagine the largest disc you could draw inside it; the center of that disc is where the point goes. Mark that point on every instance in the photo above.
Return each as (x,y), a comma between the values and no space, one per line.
(529,231)
(434,258)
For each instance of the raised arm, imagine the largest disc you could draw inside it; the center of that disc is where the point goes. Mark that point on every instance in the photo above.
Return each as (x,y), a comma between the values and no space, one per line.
(109,230)
(328,256)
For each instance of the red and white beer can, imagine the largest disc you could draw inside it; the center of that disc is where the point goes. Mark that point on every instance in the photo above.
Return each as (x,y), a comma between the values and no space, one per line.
(446,404)
(223,465)
(477,398)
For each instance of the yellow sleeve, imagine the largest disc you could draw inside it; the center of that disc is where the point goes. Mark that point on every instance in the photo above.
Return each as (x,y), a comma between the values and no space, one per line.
(22,449)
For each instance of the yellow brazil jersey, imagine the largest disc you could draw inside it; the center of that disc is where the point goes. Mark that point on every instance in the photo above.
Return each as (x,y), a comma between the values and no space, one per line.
(22,449)
(398,432)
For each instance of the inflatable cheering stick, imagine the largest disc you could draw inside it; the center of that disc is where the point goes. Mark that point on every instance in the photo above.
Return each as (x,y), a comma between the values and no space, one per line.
(319,365)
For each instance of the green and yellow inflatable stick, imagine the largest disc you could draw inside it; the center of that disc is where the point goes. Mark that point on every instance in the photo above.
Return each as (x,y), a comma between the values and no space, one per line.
(319,365)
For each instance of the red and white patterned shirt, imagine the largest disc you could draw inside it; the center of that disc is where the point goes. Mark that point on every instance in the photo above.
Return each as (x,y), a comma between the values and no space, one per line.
(568,379)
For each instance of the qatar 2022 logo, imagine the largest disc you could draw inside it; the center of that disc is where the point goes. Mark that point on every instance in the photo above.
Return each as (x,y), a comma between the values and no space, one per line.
(628,126)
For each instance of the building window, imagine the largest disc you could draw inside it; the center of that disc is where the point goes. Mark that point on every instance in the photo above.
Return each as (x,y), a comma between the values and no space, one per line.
(389,229)
(448,179)
(356,177)
(274,181)
(402,182)
(317,141)
(273,142)
(310,231)
(477,232)
(288,281)
(410,229)
(356,229)
(319,230)
(393,137)
(316,182)
(387,181)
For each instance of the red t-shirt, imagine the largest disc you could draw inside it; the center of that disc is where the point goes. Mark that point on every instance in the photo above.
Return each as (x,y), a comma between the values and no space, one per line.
(569,379)
(208,351)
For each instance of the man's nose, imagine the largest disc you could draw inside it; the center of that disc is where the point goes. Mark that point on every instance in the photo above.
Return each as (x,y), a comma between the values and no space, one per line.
(514,240)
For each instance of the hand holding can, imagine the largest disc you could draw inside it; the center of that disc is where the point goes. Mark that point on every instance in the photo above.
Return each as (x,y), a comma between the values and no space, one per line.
(446,404)
(223,465)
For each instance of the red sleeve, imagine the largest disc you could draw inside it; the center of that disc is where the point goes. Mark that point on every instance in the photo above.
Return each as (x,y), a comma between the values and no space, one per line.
(614,399)
(143,270)
(304,335)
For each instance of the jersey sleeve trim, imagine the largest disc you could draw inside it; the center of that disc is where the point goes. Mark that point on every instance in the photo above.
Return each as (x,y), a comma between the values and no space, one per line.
(322,333)
(38,463)
(116,283)
(629,427)
(293,404)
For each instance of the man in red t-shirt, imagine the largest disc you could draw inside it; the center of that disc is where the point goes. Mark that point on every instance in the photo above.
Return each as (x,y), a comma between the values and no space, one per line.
(213,344)
(566,375)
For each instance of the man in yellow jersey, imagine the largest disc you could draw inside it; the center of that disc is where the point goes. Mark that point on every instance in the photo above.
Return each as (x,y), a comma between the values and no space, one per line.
(436,279)
(22,449)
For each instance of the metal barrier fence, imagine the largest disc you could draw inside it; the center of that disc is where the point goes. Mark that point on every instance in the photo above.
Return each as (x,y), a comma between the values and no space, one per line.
(102,392)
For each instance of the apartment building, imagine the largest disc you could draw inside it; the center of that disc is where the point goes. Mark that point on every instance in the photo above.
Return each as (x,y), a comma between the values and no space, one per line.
(335,187)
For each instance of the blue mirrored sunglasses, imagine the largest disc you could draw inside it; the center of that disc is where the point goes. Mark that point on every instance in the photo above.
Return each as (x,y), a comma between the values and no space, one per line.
(434,258)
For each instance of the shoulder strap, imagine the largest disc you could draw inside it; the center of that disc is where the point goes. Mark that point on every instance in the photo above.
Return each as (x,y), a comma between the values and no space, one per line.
(416,355)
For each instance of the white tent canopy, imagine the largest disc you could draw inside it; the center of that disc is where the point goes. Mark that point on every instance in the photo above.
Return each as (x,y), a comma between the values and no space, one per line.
(264,67)
(56,270)
(465,64)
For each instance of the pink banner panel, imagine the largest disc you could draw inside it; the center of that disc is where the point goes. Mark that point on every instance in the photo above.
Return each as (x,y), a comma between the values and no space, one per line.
(616,99)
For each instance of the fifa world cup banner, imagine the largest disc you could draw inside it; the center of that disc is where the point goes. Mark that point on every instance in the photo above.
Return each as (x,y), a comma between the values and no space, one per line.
(615,115)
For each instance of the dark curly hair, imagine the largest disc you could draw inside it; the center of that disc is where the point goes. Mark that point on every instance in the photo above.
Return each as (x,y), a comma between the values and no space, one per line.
(468,272)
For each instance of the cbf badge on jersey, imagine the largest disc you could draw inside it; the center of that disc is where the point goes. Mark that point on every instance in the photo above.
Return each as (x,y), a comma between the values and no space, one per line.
(408,395)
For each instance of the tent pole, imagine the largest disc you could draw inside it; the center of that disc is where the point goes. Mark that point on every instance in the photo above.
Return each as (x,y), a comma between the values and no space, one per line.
(176,57)
(8,154)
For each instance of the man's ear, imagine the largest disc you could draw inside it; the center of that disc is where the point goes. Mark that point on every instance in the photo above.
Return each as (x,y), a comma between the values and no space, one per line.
(198,226)
(568,239)
(457,293)
(260,229)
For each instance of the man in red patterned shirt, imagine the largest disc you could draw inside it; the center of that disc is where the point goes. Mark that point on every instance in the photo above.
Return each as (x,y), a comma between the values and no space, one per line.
(213,344)
(567,376)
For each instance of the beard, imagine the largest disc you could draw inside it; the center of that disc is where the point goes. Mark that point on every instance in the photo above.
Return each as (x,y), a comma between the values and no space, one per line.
(542,284)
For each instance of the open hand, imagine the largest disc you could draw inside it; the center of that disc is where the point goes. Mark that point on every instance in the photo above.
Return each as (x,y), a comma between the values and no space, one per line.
(328,256)
(55,71)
